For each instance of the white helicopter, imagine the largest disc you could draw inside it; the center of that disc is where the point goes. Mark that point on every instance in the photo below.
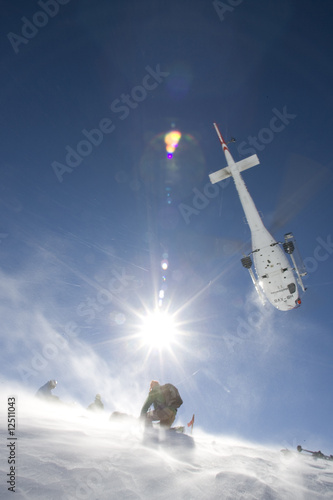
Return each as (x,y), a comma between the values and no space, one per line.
(275,277)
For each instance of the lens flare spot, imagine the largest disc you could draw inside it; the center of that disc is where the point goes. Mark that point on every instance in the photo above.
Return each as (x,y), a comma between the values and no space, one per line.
(171,141)
(164,264)
(179,170)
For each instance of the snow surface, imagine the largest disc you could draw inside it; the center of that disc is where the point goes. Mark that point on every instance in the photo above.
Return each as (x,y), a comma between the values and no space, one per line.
(65,452)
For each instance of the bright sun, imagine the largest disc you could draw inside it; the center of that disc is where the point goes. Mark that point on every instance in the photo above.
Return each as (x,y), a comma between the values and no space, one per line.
(158,330)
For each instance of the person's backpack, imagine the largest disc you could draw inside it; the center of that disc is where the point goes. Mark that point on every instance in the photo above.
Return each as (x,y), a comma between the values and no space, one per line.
(171,396)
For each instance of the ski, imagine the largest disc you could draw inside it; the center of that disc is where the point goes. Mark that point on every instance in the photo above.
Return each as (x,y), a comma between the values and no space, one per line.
(315,454)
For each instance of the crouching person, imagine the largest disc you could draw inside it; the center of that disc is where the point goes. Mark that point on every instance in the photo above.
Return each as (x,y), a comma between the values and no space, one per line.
(165,400)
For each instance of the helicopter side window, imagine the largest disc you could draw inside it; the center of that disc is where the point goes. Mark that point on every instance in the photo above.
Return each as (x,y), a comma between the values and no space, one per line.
(292,287)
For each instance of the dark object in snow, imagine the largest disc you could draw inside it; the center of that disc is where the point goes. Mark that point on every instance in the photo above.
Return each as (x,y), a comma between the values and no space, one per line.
(315,454)
(45,393)
(97,405)
(118,416)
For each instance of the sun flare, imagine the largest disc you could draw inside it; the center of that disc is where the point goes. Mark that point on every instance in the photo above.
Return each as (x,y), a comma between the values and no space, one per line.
(158,330)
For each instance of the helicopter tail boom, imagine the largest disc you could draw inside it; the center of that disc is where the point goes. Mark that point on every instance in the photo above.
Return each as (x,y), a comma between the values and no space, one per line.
(226,172)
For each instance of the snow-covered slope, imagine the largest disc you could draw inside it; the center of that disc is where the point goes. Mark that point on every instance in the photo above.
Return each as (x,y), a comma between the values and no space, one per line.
(68,453)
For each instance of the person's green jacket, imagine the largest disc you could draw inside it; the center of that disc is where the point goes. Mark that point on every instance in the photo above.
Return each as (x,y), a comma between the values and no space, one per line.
(156,398)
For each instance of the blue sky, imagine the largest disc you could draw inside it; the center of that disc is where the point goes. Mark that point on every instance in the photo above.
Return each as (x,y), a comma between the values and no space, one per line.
(91,205)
